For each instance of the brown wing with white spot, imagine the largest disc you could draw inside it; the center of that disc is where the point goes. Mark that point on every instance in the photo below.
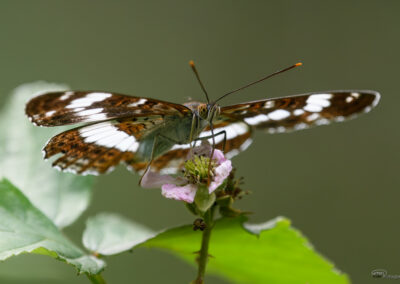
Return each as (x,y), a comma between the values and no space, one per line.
(61,108)
(230,136)
(302,111)
(98,148)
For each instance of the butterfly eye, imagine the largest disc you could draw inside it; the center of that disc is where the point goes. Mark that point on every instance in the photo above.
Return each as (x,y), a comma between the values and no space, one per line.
(203,111)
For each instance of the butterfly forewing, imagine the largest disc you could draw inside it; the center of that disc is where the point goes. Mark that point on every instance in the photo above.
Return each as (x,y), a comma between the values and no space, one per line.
(61,108)
(302,111)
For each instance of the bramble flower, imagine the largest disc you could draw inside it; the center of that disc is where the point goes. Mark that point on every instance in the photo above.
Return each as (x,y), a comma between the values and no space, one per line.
(198,169)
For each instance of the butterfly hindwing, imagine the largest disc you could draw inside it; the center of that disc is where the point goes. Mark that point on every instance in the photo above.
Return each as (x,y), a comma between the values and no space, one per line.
(61,108)
(237,136)
(302,111)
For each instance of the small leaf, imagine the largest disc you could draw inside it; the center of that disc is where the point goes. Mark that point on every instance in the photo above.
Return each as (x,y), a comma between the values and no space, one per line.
(271,252)
(61,196)
(25,229)
(109,234)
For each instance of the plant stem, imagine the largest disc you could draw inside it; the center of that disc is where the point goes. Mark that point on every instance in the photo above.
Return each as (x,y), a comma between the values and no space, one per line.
(96,278)
(203,258)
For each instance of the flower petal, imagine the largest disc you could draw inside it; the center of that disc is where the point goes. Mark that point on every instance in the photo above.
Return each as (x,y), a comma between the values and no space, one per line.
(185,193)
(219,156)
(152,179)
(221,173)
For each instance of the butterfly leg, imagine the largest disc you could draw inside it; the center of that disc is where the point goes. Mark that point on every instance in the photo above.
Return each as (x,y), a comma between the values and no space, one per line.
(215,135)
(156,139)
(195,121)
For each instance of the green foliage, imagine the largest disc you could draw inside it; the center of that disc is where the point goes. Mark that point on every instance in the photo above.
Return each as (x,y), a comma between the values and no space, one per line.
(272,252)
(61,197)
(25,229)
(109,234)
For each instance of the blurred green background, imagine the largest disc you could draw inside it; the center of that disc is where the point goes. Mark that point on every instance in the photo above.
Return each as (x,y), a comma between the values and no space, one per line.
(339,184)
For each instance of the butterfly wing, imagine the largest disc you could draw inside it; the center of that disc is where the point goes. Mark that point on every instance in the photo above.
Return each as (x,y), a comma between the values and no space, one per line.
(302,111)
(61,108)
(99,147)
(230,135)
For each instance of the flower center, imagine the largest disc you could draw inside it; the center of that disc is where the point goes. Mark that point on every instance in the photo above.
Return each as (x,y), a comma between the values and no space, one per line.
(196,169)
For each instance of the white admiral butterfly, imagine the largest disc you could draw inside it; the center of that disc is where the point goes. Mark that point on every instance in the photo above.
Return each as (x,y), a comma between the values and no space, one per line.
(136,130)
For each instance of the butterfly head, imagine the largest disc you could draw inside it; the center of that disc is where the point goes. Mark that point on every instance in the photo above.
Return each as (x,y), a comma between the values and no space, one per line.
(209,112)
(205,111)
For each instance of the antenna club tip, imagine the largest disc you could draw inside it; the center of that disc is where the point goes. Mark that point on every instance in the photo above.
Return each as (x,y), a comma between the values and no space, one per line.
(191,63)
(298,64)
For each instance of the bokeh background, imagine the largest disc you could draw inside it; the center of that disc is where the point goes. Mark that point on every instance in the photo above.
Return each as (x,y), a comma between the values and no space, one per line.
(339,184)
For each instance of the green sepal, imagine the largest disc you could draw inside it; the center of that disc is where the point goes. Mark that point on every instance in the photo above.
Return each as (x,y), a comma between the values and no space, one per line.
(192,208)
(226,209)
(203,199)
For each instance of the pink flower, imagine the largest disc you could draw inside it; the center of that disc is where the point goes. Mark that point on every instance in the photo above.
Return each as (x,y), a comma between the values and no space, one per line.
(185,188)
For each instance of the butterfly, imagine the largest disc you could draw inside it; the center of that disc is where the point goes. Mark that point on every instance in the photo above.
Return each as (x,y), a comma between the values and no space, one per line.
(144,132)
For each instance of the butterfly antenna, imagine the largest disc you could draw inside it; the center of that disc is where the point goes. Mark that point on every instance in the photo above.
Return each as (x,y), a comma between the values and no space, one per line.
(262,79)
(191,63)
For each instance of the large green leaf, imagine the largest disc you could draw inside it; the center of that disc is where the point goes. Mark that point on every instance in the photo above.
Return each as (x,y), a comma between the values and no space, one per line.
(61,196)
(25,229)
(109,234)
(272,252)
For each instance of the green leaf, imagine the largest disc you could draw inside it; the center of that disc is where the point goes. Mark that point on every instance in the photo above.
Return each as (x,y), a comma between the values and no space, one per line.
(61,196)
(25,229)
(272,252)
(109,234)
